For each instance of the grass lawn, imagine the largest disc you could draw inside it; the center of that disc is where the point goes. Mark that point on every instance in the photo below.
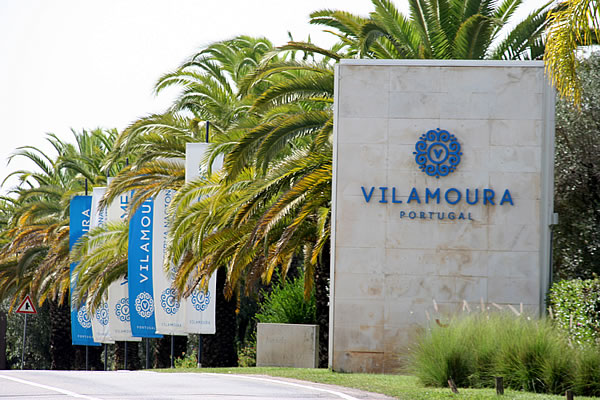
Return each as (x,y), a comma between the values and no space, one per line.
(399,386)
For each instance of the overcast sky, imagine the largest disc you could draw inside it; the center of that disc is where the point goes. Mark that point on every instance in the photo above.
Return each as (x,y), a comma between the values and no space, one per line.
(86,64)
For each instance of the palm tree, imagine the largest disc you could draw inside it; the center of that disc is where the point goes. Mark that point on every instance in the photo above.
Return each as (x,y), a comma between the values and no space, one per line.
(5,212)
(35,257)
(572,24)
(210,83)
(273,204)
(446,29)
(39,222)
(101,255)
(300,105)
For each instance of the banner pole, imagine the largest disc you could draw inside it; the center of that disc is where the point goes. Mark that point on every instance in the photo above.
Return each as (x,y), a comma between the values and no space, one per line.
(199,335)
(24,341)
(105,357)
(199,351)
(172,353)
(87,357)
(125,360)
(147,353)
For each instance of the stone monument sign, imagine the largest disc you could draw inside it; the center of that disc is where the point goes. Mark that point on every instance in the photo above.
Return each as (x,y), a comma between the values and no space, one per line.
(442,196)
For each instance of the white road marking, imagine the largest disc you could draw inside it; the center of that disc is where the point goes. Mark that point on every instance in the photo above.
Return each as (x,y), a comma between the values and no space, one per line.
(333,392)
(55,389)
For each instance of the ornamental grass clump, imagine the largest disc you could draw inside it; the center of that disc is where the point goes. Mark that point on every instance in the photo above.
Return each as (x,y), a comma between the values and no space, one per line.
(529,354)
(534,357)
(442,355)
(587,374)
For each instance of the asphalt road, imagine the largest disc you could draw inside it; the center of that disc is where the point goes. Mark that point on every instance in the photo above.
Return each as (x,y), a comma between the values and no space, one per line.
(142,385)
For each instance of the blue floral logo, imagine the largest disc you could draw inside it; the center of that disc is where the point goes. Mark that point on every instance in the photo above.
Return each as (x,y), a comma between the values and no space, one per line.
(122,309)
(83,318)
(200,299)
(437,153)
(102,314)
(144,305)
(168,301)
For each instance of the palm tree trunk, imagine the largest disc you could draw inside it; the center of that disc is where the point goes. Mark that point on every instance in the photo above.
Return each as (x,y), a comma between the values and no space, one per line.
(61,350)
(162,352)
(3,324)
(219,350)
(133,358)
(119,354)
(322,300)
(94,358)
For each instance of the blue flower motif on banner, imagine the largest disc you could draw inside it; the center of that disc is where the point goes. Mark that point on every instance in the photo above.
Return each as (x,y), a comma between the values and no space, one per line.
(83,318)
(168,301)
(144,305)
(437,153)
(122,309)
(102,314)
(200,300)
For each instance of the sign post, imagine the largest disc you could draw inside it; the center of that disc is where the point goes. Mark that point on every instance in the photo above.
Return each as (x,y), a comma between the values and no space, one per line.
(24,338)
(26,307)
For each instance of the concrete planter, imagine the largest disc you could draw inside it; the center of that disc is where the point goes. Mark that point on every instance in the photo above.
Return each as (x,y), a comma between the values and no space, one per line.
(287,345)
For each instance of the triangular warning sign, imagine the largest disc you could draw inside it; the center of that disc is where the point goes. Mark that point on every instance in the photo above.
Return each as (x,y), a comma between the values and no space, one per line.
(27,306)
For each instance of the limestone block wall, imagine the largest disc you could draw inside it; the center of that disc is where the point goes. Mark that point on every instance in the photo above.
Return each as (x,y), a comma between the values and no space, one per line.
(404,255)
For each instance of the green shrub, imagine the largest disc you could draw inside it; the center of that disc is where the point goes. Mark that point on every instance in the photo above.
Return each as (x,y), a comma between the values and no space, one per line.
(189,360)
(530,354)
(575,305)
(37,351)
(247,354)
(286,304)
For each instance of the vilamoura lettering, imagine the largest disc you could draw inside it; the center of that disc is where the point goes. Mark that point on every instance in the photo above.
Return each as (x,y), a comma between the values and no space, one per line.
(450,196)
(85,220)
(123,206)
(146,222)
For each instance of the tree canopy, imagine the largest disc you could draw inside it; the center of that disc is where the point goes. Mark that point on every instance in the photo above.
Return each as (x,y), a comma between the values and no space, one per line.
(269,112)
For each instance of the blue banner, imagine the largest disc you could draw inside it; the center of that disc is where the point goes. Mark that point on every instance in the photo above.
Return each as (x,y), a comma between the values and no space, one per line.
(139,271)
(81,325)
